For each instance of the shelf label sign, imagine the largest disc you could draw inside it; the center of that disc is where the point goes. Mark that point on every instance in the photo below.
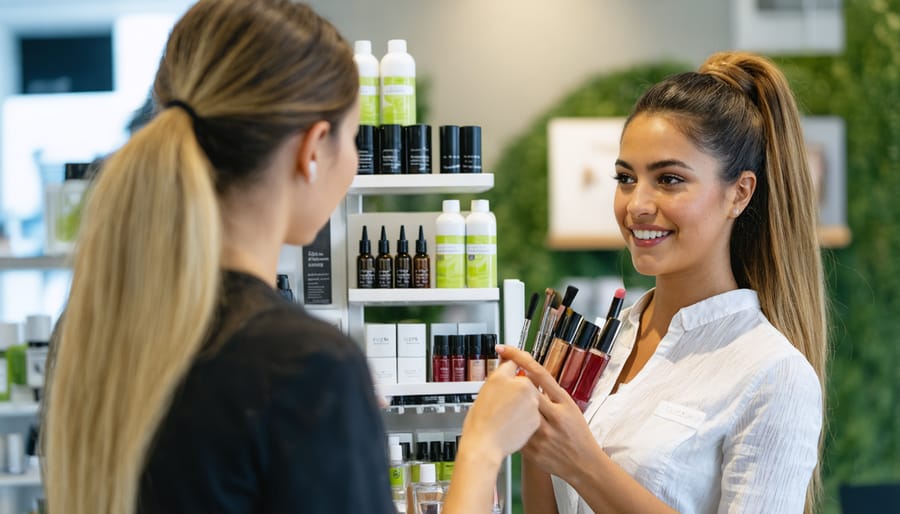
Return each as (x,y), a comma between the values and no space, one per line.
(317,269)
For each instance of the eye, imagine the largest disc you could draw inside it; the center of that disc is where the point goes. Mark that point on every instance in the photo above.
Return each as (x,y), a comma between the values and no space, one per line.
(670,180)
(623,178)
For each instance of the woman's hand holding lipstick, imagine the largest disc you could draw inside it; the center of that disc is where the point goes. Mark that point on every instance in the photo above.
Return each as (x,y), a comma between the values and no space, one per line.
(563,443)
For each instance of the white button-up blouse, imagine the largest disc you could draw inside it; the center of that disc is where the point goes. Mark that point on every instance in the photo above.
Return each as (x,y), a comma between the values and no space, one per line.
(724,417)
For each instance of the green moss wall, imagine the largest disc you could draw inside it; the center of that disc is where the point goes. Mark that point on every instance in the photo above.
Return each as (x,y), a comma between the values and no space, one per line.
(862,86)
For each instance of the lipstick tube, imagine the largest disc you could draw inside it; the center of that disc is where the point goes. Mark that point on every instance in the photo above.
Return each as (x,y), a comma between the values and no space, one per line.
(595,364)
(586,338)
(559,349)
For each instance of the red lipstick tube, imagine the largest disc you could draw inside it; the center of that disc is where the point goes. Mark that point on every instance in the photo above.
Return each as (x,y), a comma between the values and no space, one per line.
(595,364)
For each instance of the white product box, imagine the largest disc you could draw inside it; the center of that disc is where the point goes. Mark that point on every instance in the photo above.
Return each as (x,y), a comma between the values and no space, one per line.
(381,340)
(384,369)
(472,328)
(411,370)
(411,340)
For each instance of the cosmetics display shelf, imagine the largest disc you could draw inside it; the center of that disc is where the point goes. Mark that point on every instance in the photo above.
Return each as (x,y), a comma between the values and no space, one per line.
(431,296)
(9,410)
(429,389)
(40,262)
(31,478)
(433,183)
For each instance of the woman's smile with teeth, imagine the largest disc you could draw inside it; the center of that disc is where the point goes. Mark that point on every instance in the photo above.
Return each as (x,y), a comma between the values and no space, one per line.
(650,234)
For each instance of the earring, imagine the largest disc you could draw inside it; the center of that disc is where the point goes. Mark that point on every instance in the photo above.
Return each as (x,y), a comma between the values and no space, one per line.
(312,172)
(737,212)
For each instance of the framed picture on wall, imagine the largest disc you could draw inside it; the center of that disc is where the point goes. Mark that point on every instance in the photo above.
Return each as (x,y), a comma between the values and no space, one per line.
(582,154)
(788,26)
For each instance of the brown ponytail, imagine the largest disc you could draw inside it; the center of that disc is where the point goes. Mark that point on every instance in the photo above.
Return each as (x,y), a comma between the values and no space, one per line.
(739,107)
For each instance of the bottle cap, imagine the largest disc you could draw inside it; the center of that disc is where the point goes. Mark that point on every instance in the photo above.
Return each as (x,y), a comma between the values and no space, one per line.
(384,245)
(421,244)
(608,336)
(441,346)
(457,345)
(571,327)
(450,205)
(405,448)
(362,47)
(396,452)
(474,344)
(481,206)
(10,334)
(365,246)
(397,45)
(586,336)
(489,341)
(38,328)
(402,243)
(422,451)
(449,451)
(427,474)
(434,449)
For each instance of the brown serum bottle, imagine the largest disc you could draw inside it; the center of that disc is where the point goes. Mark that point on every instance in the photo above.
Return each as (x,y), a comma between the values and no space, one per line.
(421,263)
(384,264)
(403,262)
(365,263)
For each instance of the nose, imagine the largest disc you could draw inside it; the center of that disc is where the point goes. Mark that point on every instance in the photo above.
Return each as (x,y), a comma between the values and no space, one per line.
(641,201)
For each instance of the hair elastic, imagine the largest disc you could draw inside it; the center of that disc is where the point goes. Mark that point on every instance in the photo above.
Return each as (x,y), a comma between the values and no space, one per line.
(186,108)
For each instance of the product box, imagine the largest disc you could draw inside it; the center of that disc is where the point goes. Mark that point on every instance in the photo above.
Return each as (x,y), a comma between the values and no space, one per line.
(411,370)
(384,369)
(472,328)
(411,340)
(381,340)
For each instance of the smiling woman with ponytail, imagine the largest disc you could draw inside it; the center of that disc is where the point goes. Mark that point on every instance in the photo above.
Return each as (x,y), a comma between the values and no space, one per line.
(182,381)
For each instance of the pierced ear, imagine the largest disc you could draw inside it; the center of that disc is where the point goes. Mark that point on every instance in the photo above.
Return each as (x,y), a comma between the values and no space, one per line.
(310,147)
(744,188)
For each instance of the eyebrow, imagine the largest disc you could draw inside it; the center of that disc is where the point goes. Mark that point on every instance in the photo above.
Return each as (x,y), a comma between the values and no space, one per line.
(658,165)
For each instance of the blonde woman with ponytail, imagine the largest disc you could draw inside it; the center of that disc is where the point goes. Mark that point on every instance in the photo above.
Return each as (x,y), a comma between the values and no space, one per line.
(712,401)
(182,381)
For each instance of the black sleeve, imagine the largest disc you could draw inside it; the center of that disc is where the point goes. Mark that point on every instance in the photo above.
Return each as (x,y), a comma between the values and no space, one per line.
(326,451)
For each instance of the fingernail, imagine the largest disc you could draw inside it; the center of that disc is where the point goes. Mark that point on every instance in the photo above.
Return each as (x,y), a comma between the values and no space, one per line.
(501,348)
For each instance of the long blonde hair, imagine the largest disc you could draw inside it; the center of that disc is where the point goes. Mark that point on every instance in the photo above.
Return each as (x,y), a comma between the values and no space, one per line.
(147,263)
(739,107)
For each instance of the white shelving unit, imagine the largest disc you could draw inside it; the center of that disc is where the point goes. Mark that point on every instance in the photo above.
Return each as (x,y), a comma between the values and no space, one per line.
(31,478)
(351,302)
(433,296)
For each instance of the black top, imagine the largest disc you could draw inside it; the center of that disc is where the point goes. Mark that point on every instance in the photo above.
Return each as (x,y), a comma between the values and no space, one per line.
(276,415)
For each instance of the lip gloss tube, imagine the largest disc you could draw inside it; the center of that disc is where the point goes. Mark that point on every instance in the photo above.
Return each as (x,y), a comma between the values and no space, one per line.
(595,364)
(572,369)
(457,359)
(440,360)
(559,349)
(477,369)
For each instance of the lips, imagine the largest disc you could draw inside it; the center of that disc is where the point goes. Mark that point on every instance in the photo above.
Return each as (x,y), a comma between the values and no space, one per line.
(649,235)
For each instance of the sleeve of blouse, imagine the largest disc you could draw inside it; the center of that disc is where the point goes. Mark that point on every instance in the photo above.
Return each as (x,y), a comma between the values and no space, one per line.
(326,441)
(769,455)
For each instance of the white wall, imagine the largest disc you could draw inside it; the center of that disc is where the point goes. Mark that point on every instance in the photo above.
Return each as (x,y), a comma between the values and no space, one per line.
(500,63)
(496,63)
